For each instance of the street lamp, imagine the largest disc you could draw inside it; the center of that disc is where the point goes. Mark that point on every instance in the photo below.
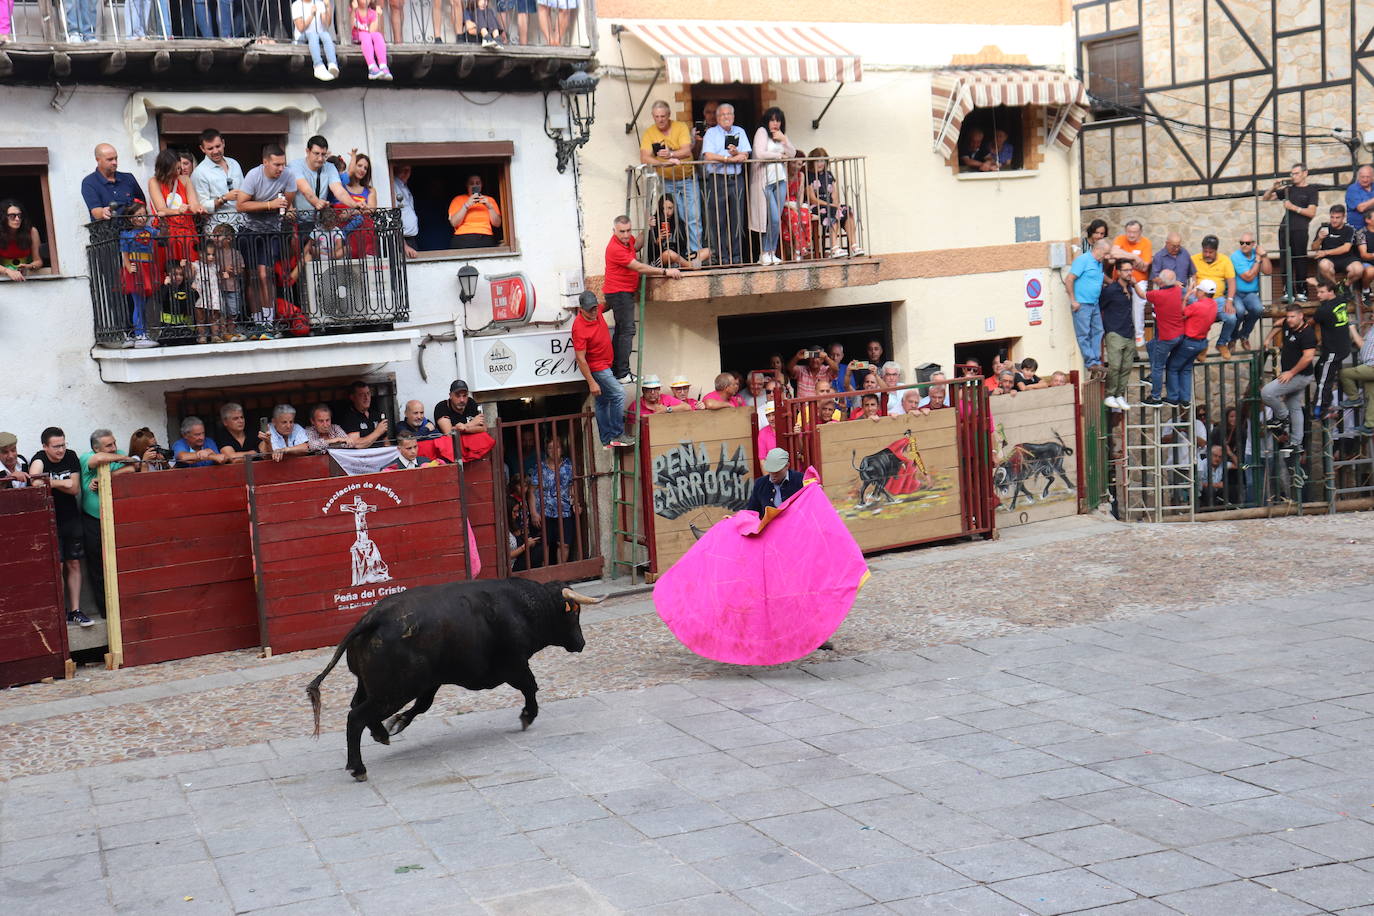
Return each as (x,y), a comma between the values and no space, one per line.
(467,283)
(579,101)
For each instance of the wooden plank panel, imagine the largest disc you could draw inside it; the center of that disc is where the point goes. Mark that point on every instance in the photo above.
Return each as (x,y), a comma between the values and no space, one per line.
(428,513)
(289,580)
(190,645)
(192,619)
(908,507)
(204,572)
(1044,417)
(33,626)
(190,550)
(188,505)
(176,481)
(219,601)
(142,534)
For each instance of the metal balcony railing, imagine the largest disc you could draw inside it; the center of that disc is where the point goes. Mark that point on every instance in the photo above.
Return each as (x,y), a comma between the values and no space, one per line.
(80,21)
(768,213)
(226,278)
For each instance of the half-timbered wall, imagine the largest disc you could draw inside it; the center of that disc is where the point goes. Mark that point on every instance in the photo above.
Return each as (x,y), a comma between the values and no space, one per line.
(1233,93)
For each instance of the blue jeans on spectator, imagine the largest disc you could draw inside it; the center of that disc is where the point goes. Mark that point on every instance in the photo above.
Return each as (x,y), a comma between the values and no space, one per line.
(315,39)
(610,406)
(1160,351)
(223,20)
(687,196)
(1181,368)
(1228,323)
(82,18)
(1087,327)
(1248,312)
(143,19)
(774,194)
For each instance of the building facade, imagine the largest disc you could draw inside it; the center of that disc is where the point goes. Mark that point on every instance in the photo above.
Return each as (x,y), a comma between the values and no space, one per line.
(1200,106)
(949,253)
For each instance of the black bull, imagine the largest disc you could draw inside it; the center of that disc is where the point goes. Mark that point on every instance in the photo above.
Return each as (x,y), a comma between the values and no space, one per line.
(477,635)
(875,471)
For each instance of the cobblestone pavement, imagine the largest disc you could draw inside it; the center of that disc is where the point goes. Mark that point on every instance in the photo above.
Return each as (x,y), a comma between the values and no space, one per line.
(1205,749)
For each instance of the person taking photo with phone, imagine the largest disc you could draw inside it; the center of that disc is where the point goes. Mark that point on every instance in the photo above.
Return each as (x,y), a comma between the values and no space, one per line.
(474,217)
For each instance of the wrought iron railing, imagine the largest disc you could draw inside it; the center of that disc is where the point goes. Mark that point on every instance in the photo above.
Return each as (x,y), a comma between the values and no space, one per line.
(768,212)
(117,21)
(233,277)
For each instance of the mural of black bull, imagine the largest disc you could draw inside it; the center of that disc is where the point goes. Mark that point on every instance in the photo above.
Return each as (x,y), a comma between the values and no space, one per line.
(875,471)
(1029,460)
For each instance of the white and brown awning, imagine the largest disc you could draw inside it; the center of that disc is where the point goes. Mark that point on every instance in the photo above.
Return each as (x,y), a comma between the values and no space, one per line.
(954,93)
(713,52)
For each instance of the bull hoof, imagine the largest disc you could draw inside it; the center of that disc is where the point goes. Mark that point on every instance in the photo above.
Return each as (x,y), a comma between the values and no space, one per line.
(359,774)
(361,777)
(395,725)
(380,735)
(525,721)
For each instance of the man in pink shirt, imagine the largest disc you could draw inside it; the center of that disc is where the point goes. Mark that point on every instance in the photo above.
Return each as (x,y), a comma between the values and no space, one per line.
(682,390)
(811,366)
(653,400)
(768,432)
(725,395)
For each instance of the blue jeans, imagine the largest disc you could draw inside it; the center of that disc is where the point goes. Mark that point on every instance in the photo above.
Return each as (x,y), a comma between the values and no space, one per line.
(610,406)
(224,19)
(1181,367)
(1248,312)
(687,196)
(774,194)
(315,39)
(142,20)
(1087,327)
(82,18)
(1160,351)
(1228,323)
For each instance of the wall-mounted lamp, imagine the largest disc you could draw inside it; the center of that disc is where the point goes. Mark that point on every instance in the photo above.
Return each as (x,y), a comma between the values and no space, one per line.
(579,101)
(467,283)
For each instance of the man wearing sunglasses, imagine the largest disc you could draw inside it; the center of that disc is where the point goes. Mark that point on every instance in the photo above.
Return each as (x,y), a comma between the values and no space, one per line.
(216,178)
(1251,262)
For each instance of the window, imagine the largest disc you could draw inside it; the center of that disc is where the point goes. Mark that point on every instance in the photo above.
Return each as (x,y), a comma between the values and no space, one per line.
(244,134)
(1112,69)
(983,125)
(24,178)
(259,400)
(439,173)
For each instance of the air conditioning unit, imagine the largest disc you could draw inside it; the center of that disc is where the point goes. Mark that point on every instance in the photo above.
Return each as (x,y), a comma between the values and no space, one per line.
(349,292)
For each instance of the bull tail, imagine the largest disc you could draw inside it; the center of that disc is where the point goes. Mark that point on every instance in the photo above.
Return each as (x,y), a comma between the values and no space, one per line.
(365,625)
(853,455)
(1068,449)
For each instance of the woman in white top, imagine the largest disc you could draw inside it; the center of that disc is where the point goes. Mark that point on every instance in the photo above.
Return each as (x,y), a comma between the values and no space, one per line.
(312,19)
(768,182)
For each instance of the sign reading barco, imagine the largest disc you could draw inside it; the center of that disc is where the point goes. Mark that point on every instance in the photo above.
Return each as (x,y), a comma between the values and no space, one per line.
(517,360)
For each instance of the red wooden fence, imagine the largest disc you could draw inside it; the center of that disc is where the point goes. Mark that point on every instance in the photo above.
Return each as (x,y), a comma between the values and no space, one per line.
(327,550)
(185,559)
(33,617)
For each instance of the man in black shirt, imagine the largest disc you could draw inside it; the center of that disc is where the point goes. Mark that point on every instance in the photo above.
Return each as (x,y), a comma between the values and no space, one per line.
(1335,246)
(1300,207)
(459,411)
(232,436)
(64,477)
(1118,340)
(1332,319)
(364,422)
(1283,396)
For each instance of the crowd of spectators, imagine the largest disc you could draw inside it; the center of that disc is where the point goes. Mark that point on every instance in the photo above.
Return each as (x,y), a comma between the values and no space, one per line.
(487,23)
(713,186)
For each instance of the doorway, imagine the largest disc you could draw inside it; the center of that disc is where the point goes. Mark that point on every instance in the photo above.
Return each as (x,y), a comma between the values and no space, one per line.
(985,350)
(747,341)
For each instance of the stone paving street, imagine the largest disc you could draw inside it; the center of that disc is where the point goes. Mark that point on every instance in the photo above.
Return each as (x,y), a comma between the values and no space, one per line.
(1176,751)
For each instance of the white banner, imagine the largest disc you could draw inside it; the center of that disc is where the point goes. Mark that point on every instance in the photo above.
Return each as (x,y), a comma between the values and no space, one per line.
(519,360)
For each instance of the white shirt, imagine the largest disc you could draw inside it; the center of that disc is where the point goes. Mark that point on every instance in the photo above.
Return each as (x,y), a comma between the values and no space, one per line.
(213,182)
(298,437)
(410,224)
(299,8)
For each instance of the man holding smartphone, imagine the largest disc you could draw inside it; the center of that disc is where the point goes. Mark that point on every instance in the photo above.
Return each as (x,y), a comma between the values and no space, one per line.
(666,144)
(474,217)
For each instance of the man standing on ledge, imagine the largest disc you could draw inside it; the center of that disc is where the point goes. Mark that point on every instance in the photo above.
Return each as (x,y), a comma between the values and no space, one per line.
(621,284)
(591,341)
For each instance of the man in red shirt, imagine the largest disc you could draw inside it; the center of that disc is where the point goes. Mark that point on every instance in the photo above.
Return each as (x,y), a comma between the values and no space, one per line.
(591,341)
(1198,317)
(1167,305)
(622,282)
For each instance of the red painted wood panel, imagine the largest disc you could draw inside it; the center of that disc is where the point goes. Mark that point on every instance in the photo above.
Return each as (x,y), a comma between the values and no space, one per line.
(33,619)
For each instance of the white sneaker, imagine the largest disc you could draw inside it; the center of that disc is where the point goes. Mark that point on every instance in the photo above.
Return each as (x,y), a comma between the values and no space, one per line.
(322,74)
(768,259)
(857,251)
(74,38)
(333,70)
(838,252)
(1123,403)
(1110,403)
(142,342)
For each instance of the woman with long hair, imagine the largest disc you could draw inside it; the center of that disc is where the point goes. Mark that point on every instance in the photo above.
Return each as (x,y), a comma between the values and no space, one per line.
(768,182)
(822,193)
(173,200)
(20,246)
(665,240)
(1096,231)
(359,185)
(143,444)
(556,500)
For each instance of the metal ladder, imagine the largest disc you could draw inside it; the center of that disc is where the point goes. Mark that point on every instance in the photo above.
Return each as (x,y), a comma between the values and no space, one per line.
(628,552)
(1154,486)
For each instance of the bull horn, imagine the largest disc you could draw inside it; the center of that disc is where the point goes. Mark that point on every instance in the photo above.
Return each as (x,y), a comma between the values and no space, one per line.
(571,595)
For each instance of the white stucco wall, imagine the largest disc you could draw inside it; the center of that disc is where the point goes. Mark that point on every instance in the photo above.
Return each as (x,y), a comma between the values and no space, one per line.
(46,334)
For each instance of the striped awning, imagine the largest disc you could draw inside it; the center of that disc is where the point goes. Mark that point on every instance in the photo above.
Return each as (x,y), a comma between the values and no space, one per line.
(710,52)
(954,93)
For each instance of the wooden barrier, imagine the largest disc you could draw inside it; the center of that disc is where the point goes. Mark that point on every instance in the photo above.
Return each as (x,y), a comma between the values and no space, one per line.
(183,559)
(327,550)
(1037,467)
(33,613)
(894,480)
(699,468)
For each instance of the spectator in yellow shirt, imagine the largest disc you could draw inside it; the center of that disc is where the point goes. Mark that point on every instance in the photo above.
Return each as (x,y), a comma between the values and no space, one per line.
(665,145)
(1223,273)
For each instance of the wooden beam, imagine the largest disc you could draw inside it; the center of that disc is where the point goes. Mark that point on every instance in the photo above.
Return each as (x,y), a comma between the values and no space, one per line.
(421,67)
(6,65)
(507,65)
(114,62)
(161,61)
(62,63)
(205,60)
(248,61)
(465,64)
(296,63)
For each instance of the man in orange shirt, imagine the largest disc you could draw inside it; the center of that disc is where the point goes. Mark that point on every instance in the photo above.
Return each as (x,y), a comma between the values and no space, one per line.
(1133,246)
(474,217)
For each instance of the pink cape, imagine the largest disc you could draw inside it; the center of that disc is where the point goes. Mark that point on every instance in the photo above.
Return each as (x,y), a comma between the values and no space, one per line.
(761,592)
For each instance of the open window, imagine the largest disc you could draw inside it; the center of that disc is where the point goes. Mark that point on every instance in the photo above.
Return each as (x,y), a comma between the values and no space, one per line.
(439,173)
(258,401)
(24,178)
(994,136)
(1112,70)
(244,134)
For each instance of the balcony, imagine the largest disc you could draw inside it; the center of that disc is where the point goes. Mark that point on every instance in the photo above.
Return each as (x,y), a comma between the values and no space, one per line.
(191,296)
(822,232)
(248,43)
